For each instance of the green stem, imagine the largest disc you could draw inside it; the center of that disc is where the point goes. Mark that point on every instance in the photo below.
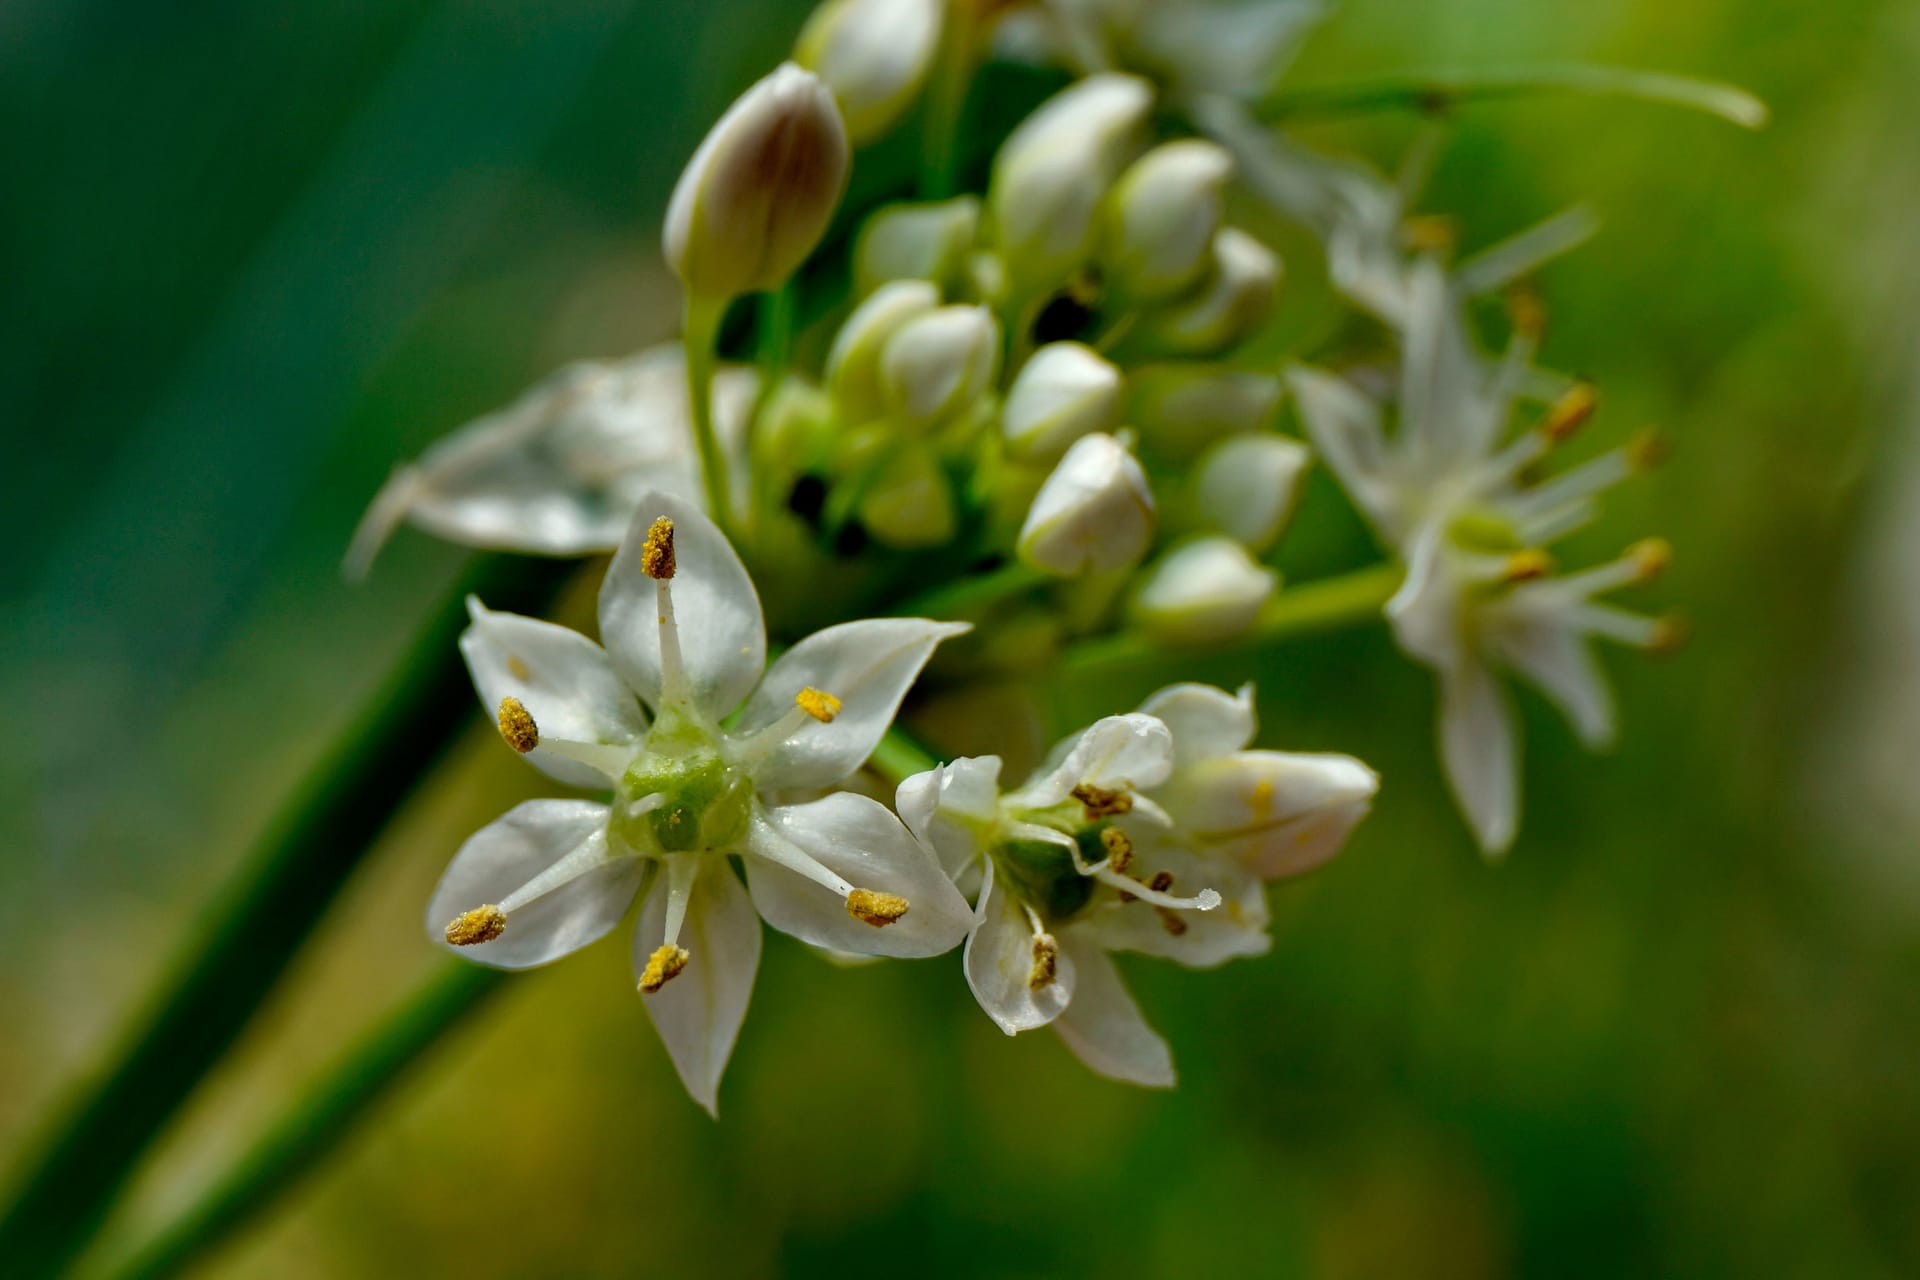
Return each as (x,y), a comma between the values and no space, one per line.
(1323,605)
(1438,91)
(295,1144)
(940,176)
(281,894)
(701,334)
(970,595)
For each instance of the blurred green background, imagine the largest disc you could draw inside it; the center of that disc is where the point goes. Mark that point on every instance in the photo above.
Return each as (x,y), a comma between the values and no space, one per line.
(254,254)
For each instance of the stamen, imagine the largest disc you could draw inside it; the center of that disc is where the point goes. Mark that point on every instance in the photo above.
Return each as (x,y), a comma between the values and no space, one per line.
(1046,962)
(482,924)
(656,556)
(1172,921)
(1099,802)
(663,965)
(1429,233)
(1161,882)
(1526,312)
(1119,848)
(1526,566)
(1647,450)
(818,703)
(1570,412)
(517,726)
(1650,558)
(1670,635)
(876,908)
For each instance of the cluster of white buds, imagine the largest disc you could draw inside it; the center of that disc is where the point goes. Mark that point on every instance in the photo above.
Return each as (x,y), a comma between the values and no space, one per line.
(1053,406)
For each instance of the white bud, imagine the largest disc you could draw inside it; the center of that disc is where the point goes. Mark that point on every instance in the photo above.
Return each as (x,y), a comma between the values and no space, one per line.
(910,503)
(1236,299)
(1093,514)
(1053,171)
(759,193)
(853,362)
(1203,592)
(940,363)
(1246,486)
(1162,218)
(1065,391)
(916,242)
(1182,408)
(874,55)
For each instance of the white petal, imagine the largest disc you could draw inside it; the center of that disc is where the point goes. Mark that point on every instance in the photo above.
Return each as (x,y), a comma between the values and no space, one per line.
(860,841)
(1130,752)
(1444,416)
(1103,1025)
(1425,612)
(512,850)
(1345,427)
(723,640)
(563,679)
(1205,721)
(1558,662)
(868,666)
(999,961)
(699,1011)
(1237,927)
(1479,751)
(945,808)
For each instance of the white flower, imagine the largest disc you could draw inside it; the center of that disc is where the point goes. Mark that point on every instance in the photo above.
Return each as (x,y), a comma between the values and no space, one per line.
(1054,169)
(1456,501)
(684,637)
(1092,514)
(559,471)
(1163,214)
(1246,486)
(1205,591)
(1064,391)
(873,54)
(759,193)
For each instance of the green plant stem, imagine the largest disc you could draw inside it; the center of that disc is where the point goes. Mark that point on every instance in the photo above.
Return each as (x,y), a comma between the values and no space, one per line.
(278,898)
(1438,91)
(940,174)
(969,596)
(296,1143)
(1322,605)
(701,332)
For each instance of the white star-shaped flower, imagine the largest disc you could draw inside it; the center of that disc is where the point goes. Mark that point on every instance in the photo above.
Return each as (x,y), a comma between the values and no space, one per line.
(685,642)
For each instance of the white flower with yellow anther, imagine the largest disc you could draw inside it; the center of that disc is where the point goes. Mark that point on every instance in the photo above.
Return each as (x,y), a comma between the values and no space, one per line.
(686,652)
(760,190)
(1092,514)
(559,471)
(1459,503)
(874,55)
(1064,391)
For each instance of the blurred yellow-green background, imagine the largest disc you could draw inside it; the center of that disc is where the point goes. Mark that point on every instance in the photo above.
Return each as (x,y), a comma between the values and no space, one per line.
(255,254)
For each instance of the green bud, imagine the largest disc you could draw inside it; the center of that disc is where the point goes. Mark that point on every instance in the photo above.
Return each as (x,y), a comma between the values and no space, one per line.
(917,242)
(1182,408)
(853,362)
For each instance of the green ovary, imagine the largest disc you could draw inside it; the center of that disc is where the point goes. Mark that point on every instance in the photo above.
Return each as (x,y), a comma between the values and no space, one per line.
(703,803)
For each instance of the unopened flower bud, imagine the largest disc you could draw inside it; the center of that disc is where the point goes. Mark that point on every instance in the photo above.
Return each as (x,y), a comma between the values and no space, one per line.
(853,362)
(874,55)
(1064,391)
(758,194)
(1053,171)
(916,242)
(940,363)
(1204,592)
(910,503)
(1093,514)
(1235,300)
(1246,486)
(1182,408)
(1162,218)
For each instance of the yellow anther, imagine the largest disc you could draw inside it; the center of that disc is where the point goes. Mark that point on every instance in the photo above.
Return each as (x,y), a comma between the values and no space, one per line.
(876,908)
(1046,962)
(1570,412)
(1650,557)
(1527,565)
(663,966)
(1429,233)
(517,726)
(1670,636)
(1161,882)
(482,924)
(1119,848)
(1525,311)
(818,703)
(1647,450)
(1099,802)
(1172,921)
(656,556)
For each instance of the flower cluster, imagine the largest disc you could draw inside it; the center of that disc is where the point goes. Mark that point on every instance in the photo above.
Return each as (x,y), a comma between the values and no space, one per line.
(1049,420)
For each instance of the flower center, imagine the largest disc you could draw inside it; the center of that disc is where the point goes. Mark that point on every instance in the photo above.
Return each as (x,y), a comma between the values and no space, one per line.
(679,795)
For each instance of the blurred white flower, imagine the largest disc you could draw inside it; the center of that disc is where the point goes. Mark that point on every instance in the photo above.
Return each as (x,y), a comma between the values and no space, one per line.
(1206,591)
(1092,514)
(916,242)
(1231,304)
(940,363)
(853,362)
(1162,217)
(560,470)
(684,637)
(1064,391)
(1246,486)
(874,55)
